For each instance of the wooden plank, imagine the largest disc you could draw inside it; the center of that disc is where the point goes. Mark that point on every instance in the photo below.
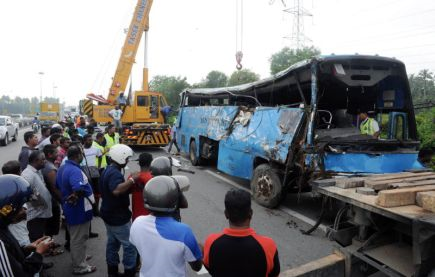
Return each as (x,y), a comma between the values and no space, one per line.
(323,183)
(346,183)
(400,197)
(426,200)
(398,176)
(404,214)
(413,184)
(366,191)
(385,184)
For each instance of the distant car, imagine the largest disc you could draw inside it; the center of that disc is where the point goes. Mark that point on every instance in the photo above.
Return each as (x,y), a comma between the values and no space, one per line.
(8,130)
(19,118)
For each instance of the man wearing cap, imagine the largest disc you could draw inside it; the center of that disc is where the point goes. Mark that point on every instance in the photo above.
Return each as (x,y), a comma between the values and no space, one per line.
(368,126)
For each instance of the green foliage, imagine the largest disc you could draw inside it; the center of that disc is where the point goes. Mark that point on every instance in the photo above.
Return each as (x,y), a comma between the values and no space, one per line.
(19,105)
(422,86)
(243,76)
(215,79)
(287,57)
(426,128)
(170,86)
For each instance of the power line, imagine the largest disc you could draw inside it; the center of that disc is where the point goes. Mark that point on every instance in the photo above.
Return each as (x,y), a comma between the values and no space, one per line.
(299,12)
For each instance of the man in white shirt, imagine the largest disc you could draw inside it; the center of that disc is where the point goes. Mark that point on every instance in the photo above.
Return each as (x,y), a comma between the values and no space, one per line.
(116,115)
(38,210)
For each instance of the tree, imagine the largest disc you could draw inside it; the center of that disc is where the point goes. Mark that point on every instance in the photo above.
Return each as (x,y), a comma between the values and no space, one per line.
(422,86)
(426,128)
(243,76)
(287,57)
(215,79)
(170,86)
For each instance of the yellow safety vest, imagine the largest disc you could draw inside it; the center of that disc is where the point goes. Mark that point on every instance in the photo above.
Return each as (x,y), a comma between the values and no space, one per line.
(110,141)
(366,127)
(103,158)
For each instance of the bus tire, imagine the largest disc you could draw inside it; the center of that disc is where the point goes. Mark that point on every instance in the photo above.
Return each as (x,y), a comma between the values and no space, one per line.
(195,160)
(266,186)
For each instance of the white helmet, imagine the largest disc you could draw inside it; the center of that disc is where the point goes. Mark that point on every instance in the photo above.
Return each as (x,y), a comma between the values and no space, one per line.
(57,125)
(119,153)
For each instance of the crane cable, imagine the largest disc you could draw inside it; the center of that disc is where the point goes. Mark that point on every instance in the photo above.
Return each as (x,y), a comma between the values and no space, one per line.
(239,33)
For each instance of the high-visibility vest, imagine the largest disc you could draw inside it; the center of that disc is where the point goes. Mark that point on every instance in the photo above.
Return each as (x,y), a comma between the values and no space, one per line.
(103,158)
(366,127)
(110,141)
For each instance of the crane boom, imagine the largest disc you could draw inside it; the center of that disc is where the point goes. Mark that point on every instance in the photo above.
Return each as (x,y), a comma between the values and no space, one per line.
(139,24)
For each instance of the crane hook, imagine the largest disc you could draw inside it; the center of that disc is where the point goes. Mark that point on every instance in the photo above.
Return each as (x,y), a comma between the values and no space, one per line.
(239,56)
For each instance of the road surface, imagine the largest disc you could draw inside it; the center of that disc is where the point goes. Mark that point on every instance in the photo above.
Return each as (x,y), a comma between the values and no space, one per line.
(206,215)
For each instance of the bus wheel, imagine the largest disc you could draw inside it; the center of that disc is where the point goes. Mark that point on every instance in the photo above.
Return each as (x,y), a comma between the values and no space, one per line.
(192,154)
(266,186)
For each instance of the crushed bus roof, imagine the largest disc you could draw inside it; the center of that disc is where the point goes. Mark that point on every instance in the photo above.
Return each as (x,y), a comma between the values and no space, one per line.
(282,78)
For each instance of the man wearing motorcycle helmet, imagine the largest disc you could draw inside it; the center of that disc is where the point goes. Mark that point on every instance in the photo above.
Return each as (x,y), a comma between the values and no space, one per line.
(14,260)
(164,244)
(163,166)
(115,210)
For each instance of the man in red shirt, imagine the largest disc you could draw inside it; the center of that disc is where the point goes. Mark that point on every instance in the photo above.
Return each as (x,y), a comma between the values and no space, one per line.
(238,250)
(138,207)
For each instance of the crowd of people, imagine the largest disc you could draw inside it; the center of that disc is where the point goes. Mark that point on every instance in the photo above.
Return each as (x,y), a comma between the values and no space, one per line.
(75,173)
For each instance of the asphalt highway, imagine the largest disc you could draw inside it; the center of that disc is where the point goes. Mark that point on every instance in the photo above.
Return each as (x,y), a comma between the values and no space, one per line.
(206,215)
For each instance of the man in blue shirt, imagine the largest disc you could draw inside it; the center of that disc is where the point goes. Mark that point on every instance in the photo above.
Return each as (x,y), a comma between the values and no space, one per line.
(116,213)
(77,199)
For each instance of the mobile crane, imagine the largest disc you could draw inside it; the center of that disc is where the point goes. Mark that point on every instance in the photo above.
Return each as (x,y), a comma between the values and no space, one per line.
(143,121)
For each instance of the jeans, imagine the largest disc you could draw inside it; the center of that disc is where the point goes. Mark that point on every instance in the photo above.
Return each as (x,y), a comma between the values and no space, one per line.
(117,124)
(117,236)
(173,142)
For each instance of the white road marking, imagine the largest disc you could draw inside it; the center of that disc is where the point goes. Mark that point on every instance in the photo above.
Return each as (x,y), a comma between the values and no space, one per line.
(226,180)
(286,210)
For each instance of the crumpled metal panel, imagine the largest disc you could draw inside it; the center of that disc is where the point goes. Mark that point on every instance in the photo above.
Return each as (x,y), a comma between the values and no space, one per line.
(212,122)
(371,163)
(263,137)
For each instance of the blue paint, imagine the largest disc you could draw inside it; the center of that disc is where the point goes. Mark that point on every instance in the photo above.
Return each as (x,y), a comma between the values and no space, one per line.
(367,163)
(262,137)
(313,102)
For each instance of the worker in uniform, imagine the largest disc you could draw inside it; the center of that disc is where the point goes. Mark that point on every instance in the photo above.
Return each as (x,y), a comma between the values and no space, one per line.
(112,137)
(164,244)
(238,250)
(14,260)
(368,126)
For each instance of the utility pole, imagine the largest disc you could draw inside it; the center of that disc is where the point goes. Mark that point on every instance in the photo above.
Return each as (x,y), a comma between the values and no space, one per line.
(54,90)
(298,11)
(40,84)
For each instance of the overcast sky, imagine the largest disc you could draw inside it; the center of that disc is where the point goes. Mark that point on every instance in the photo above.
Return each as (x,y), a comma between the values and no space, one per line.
(77,43)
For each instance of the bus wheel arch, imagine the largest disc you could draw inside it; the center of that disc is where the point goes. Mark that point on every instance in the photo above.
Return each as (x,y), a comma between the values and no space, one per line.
(266,186)
(195,159)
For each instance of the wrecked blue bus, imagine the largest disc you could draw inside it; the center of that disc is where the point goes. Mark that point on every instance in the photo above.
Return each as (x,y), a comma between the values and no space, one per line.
(302,124)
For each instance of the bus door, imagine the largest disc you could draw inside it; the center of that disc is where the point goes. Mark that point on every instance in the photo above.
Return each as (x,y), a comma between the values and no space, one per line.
(142,107)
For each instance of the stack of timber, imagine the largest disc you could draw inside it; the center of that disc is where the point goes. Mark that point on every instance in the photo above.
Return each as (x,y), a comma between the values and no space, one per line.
(394,190)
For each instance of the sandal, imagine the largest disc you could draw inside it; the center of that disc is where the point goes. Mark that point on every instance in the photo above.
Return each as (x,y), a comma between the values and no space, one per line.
(54,252)
(86,270)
